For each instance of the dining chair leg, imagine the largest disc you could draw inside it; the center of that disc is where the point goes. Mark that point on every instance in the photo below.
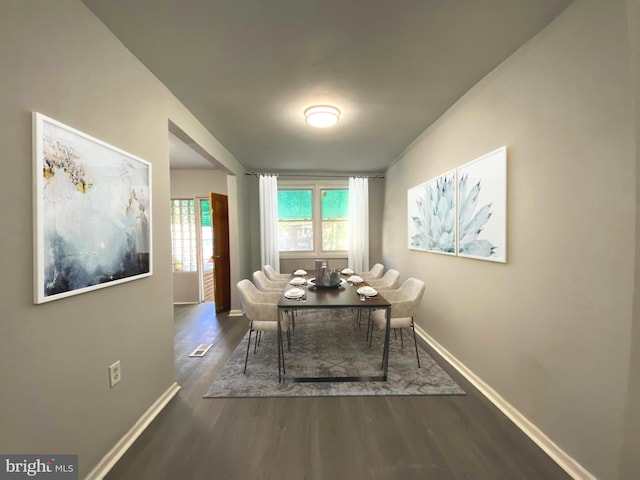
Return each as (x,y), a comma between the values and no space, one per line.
(401,341)
(247,355)
(368,332)
(415,342)
(257,341)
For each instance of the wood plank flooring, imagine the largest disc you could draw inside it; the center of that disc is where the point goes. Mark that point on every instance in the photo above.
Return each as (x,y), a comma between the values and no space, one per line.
(431,437)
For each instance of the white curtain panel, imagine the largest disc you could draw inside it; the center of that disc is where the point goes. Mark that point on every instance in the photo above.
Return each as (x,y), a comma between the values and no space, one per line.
(358,224)
(270,254)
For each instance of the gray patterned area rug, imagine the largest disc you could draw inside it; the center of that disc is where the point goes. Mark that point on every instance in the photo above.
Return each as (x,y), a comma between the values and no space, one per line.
(331,343)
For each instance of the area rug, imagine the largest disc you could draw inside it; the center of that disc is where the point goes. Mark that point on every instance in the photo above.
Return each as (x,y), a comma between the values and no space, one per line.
(331,343)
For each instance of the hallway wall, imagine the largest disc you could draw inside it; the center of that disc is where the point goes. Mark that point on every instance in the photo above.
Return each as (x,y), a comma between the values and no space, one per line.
(549,330)
(60,60)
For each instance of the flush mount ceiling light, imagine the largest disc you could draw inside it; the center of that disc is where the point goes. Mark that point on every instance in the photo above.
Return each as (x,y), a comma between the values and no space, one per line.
(322,116)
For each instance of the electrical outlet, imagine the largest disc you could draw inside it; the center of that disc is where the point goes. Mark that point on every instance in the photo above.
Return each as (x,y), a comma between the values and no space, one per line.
(115,374)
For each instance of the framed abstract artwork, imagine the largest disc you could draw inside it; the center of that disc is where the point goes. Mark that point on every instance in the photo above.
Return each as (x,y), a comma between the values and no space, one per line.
(482,204)
(417,217)
(92,213)
(441,214)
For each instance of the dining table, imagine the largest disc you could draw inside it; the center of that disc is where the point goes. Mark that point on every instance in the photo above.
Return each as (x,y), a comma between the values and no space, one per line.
(344,296)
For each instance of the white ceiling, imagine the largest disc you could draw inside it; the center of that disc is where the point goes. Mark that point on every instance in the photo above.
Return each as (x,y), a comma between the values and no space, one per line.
(248,68)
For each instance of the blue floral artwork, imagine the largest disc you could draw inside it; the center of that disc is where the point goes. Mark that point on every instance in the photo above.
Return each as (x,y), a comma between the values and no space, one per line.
(92,210)
(417,217)
(441,217)
(482,207)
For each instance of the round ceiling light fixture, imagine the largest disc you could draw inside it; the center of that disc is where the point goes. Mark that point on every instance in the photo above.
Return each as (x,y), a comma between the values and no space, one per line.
(322,116)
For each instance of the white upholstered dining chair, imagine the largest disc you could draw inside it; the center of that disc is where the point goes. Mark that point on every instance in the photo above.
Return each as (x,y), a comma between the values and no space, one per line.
(263,283)
(388,281)
(404,304)
(376,272)
(261,309)
(271,274)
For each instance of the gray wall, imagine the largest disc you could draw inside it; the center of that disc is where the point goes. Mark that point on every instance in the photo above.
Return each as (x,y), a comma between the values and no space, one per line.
(197,183)
(630,464)
(549,330)
(58,59)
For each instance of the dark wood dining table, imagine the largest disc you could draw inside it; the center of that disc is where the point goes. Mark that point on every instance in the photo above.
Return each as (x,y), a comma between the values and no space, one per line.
(345,296)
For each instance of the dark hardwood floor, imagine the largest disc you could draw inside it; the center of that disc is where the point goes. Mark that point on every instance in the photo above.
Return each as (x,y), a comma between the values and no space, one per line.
(429,437)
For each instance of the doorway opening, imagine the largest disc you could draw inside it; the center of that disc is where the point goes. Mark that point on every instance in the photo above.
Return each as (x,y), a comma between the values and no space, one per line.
(199,223)
(193,244)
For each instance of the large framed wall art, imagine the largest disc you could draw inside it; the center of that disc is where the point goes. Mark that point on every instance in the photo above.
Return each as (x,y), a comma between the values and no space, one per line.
(482,207)
(441,214)
(417,217)
(92,213)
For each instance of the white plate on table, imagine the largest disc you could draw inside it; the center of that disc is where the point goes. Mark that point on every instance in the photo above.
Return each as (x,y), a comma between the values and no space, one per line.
(367,291)
(300,272)
(347,271)
(298,281)
(294,293)
(355,279)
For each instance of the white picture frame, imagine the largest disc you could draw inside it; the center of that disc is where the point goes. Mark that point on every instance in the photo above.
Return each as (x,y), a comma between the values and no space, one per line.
(482,207)
(92,213)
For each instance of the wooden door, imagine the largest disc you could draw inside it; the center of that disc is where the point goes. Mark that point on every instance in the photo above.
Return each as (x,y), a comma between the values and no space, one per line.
(221,262)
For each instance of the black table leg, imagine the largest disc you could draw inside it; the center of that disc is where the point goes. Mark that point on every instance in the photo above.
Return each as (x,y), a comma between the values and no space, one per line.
(279,348)
(385,353)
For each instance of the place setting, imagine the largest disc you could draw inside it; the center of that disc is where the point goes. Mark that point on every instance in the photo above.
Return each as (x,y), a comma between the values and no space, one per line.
(366,292)
(298,281)
(296,293)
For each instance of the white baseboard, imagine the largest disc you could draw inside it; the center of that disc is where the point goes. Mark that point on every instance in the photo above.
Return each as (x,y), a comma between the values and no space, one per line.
(111,458)
(235,313)
(564,460)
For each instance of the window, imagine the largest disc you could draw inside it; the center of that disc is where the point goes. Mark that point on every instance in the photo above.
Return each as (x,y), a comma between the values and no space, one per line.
(295,220)
(183,235)
(312,218)
(335,217)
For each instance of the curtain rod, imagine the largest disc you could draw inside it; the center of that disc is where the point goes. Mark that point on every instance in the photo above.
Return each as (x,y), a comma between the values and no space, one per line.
(374,177)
